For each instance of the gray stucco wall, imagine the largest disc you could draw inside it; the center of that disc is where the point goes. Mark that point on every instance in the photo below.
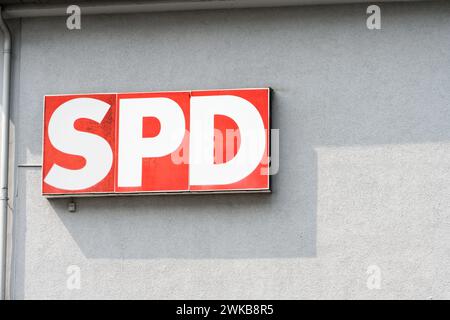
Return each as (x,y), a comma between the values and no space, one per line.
(364,178)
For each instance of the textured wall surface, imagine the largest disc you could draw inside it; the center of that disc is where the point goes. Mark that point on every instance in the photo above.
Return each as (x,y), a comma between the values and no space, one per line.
(364,178)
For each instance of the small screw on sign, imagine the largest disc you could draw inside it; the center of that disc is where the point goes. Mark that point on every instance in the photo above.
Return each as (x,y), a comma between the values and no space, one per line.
(72,206)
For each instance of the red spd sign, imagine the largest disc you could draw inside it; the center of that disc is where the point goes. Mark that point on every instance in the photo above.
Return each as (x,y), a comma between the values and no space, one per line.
(156,142)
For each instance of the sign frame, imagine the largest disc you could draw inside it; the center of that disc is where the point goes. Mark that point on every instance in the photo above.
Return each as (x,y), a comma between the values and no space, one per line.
(267,190)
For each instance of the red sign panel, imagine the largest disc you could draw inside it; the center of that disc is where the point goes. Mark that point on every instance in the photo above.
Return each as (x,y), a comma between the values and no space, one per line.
(156,142)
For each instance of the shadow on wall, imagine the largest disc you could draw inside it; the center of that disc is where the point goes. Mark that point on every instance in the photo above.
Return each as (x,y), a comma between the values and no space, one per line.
(238,226)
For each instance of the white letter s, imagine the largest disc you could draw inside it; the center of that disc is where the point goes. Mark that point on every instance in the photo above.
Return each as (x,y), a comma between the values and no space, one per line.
(64,137)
